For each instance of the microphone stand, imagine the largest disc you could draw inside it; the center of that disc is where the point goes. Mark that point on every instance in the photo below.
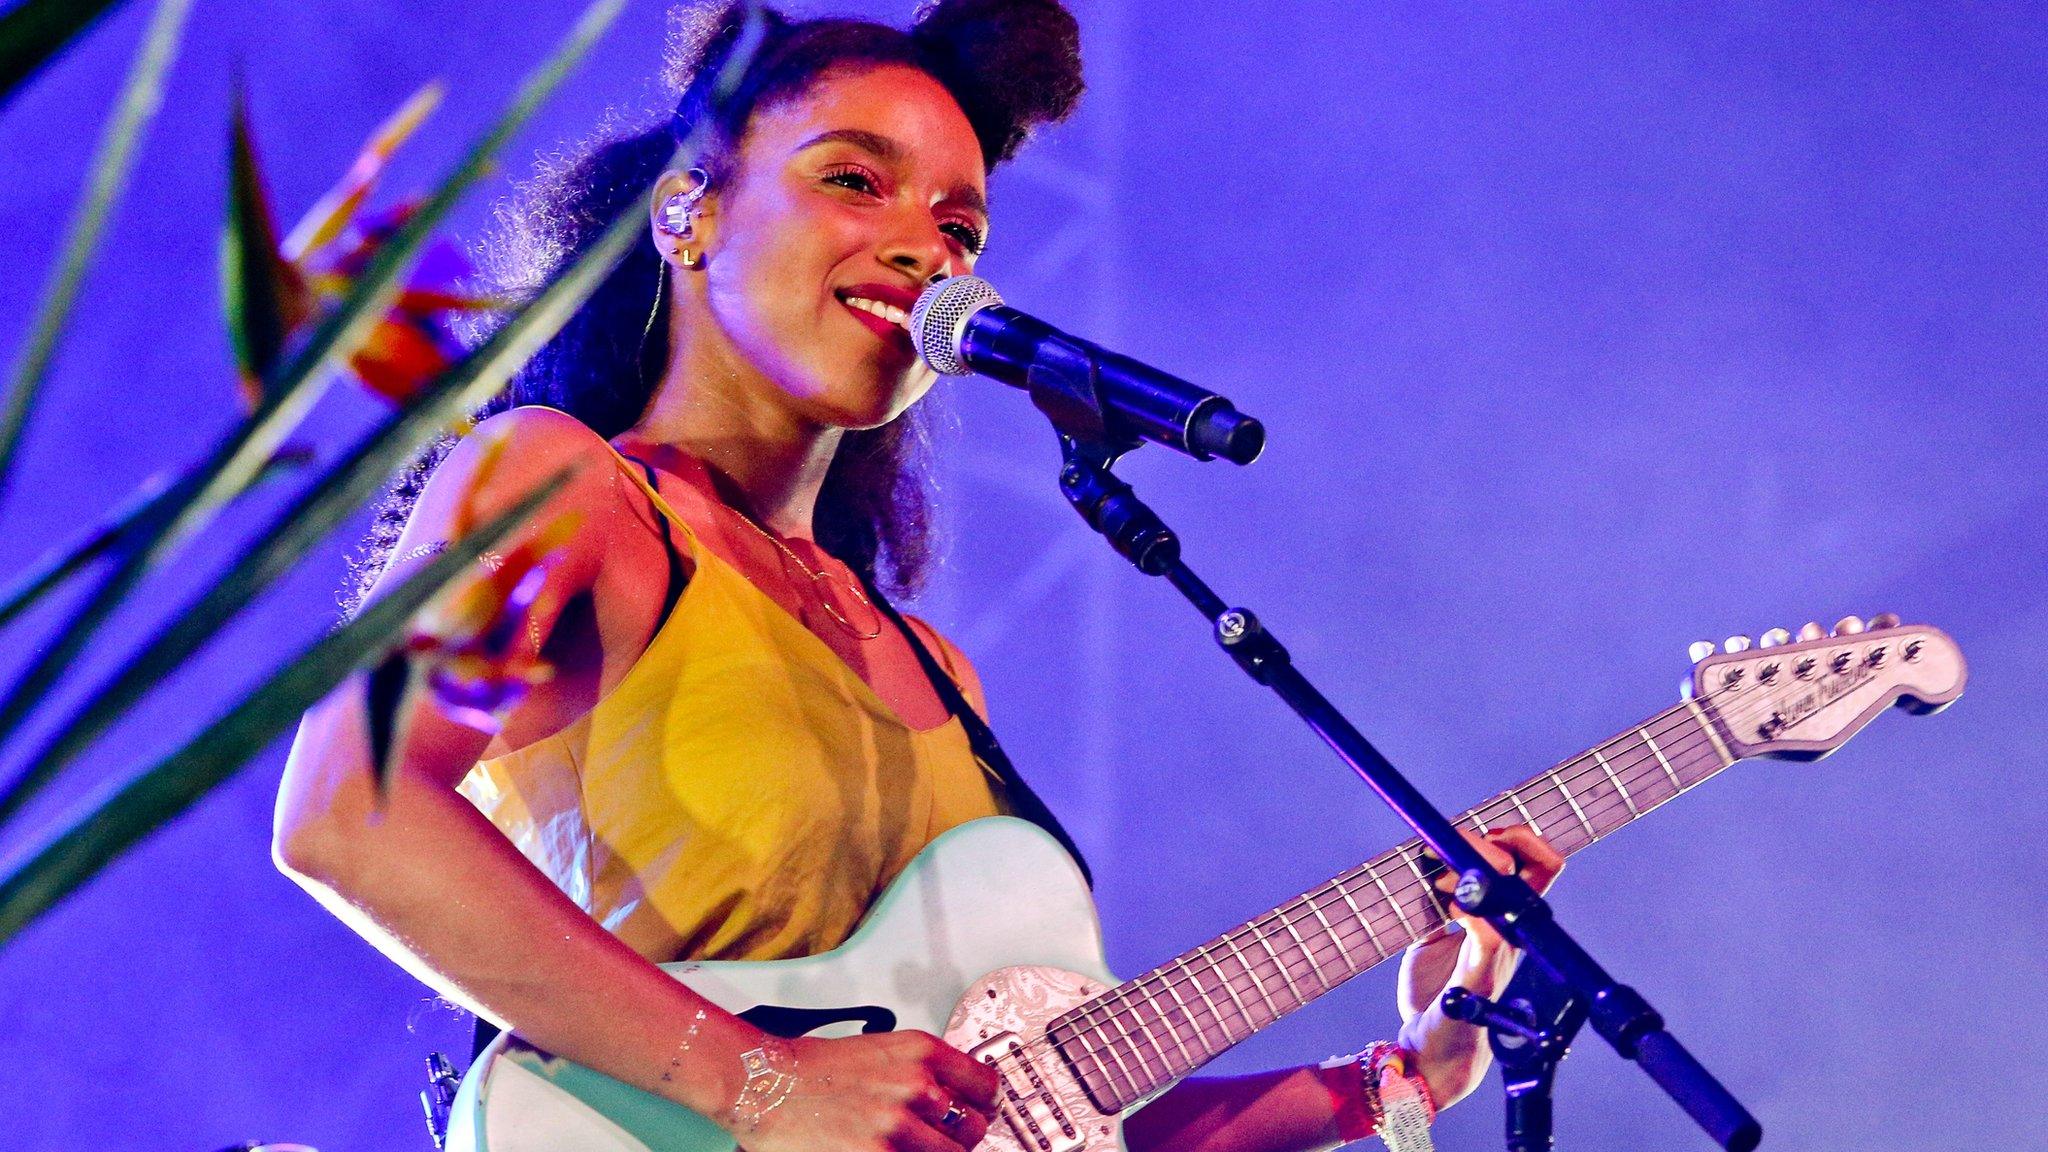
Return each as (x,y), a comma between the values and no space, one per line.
(1550,997)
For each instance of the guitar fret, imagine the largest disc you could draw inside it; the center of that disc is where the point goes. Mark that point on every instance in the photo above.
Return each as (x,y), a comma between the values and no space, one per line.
(1306,954)
(1200,1032)
(1162,1016)
(1659,753)
(1094,1052)
(1243,1013)
(1364,921)
(1429,891)
(1478,821)
(1285,978)
(1577,811)
(1708,727)
(1215,1013)
(1516,796)
(1343,953)
(1165,1061)
(1137,1085)
(1403,916)
(1616,781)
(1254,974)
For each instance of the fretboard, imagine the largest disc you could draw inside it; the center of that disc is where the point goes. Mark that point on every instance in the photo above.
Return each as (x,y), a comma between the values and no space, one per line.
(1147,1033)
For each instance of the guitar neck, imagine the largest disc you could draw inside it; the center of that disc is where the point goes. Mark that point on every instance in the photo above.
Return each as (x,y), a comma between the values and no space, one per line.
(1147,1033)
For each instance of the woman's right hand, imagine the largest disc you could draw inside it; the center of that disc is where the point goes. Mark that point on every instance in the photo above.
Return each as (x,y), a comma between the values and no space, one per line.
(876,1093)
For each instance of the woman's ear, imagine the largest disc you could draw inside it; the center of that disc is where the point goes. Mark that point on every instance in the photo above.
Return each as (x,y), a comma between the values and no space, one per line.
(679,217)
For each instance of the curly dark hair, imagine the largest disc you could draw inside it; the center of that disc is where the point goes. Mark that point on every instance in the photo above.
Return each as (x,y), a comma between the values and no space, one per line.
(1013,65)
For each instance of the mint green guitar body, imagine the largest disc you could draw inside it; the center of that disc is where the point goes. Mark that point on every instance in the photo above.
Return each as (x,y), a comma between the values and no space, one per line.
(984,939)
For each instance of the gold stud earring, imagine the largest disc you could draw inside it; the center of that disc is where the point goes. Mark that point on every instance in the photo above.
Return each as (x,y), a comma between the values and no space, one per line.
(686,258)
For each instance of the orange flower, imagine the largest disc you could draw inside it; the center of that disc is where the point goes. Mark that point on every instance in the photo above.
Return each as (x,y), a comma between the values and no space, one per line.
(275,289)
(479,646)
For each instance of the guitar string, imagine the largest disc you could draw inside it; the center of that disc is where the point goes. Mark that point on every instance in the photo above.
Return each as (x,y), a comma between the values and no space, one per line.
(1508,804)
(1478,816)
(1115,1082)
(1557,781)
(1308,962)
(1120,1004)
(1125,1003)
(1107,1005)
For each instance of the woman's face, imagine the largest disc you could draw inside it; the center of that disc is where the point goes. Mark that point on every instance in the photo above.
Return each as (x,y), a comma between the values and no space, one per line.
(845,203)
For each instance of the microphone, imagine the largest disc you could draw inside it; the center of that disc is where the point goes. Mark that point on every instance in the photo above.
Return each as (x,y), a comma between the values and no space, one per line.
(961,326)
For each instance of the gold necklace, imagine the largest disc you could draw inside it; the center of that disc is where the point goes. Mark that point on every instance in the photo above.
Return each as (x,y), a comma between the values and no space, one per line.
(819,588)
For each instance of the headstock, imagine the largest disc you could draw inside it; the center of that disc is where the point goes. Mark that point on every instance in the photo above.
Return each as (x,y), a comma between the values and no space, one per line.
(1803,698)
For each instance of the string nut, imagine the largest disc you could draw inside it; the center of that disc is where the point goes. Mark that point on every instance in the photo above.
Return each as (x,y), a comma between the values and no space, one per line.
(1849,626)
(1736,644)
(1700,650)
(1773,638)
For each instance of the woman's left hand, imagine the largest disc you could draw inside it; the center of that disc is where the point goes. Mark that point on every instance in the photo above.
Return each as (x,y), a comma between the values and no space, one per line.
(1451,1054)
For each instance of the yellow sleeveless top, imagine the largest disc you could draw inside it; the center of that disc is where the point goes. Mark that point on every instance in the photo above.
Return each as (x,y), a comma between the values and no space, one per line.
(742,794)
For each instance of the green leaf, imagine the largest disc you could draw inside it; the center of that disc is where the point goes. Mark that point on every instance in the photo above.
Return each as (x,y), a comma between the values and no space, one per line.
(147,500)
(301,377)
(292,390)
(338,209)
(141,95)
(117,818)
(386,692)
(328,501)
(263,296)
(34,31)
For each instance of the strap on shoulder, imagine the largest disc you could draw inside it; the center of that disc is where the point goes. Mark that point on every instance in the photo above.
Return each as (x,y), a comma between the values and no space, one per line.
(982,739)
(632,466)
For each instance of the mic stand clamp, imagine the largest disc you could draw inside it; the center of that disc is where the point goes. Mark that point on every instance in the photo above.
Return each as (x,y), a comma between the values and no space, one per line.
(1530,1028)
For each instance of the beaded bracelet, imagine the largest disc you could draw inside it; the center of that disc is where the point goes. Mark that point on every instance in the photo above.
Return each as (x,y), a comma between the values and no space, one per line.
(1374,1094)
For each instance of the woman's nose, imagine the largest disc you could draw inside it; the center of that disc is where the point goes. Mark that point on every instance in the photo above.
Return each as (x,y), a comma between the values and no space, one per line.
(918,248)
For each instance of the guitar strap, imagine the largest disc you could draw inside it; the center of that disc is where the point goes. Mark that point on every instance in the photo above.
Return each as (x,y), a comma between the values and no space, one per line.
(982,740)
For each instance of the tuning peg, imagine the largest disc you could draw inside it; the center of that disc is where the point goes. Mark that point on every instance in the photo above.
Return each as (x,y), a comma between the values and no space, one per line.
(1700,650)
(1773,638)
(1884,620)
(1810,630)
(1848,626)
(1736,644)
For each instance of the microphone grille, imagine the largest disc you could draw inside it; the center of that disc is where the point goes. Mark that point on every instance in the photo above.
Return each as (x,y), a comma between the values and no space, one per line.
(938,321)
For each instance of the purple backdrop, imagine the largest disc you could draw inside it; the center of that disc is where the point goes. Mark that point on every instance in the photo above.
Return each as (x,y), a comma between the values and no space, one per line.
(1582,332)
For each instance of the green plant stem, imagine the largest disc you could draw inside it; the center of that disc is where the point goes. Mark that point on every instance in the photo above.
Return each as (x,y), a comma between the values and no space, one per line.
(33,32)
(114,820)
(147,499)
(327,502)
(351,481)
(237,461)
(141,96)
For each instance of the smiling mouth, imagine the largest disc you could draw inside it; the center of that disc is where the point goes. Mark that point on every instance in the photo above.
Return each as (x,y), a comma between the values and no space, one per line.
(888,313)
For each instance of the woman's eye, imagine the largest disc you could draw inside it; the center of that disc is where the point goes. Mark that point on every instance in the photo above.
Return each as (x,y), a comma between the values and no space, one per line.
(968,235)
(852,178)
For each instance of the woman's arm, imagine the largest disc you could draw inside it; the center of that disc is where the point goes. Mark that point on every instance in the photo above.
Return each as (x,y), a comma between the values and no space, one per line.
(1294,1110)
(1268,1112)
(421,874)
(427,879)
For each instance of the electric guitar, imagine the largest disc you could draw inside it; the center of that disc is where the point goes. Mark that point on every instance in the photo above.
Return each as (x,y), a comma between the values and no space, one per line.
(990,939)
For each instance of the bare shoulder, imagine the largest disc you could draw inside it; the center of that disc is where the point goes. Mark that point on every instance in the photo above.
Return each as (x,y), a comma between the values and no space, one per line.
(502,461)
(953,660)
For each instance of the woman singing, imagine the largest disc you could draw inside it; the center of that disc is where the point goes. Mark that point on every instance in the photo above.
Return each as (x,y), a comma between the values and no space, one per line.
(742,745)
